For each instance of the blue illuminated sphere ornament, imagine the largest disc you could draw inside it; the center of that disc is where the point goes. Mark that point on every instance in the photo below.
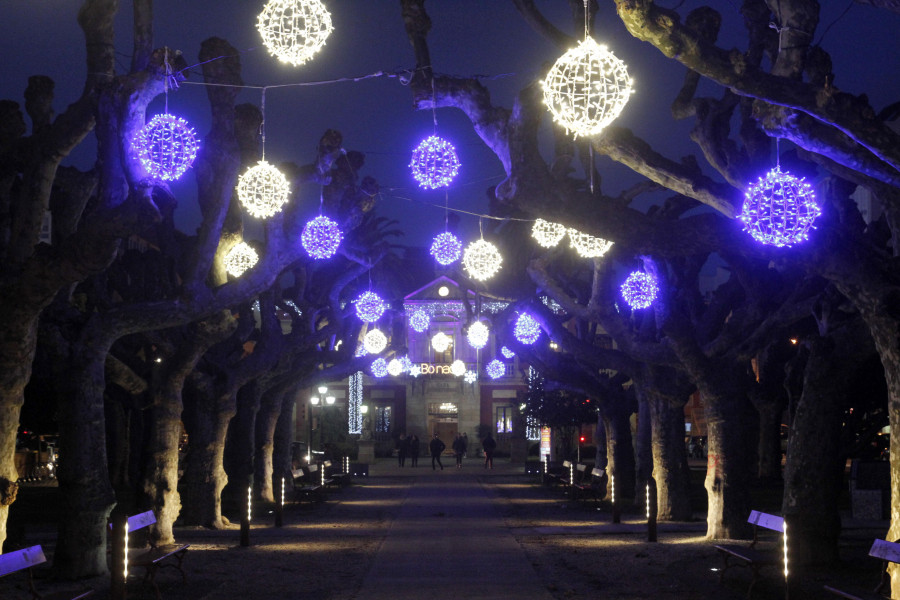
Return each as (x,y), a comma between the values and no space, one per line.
(779,209)
(419,321)
(369,307)
(446,248)
(434,163)
(321,237)
(495,369)
(640,290)
(507,352)
(527,329)
(379,367)
(166,147)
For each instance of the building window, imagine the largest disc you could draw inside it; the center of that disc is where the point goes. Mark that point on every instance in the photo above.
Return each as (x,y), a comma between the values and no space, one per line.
(382,419)
(504,419)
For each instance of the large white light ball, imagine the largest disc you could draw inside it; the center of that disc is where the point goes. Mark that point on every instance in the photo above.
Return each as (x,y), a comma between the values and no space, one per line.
(240,258)
(263,190)
(458,368)
(374,342)
(440,342)
(294,30)
(394,367)
(478,335)
(587,88)
(482,260)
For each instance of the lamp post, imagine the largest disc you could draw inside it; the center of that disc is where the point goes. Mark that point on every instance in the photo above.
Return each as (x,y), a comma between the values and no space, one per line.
(316,401)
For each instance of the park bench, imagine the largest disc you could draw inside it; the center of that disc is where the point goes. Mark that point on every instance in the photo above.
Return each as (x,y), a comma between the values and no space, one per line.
(334,475)
(887,552)
(25,560)
(593,487)
(307,486)
(155,557)
(555,474)
(751,556)
(576,477)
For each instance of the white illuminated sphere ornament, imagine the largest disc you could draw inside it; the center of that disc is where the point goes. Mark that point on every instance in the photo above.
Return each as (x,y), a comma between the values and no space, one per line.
(240,258)
(478,335)
(394,367)
(446,248)
(419,321)
(482,260)
(587,88)
(374,342)
(166,147)
(640,290)
(321,237)
(434,163)
(779,209)
(440,342)
(294,30)
(588,246)
(547,234)
(527,329)
(369,307)
(458,368)
(495,369)
(263,190)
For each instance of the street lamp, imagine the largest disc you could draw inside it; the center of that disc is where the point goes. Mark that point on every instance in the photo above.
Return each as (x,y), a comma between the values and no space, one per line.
(315,401)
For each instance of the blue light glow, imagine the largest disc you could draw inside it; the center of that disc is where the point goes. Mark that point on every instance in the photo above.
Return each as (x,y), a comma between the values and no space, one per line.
(369,307)
(419,321)
(434,163)
(321,237)
(446,248)
(640,290)
(779,209)
(527,329)
(166,147)
(495,369)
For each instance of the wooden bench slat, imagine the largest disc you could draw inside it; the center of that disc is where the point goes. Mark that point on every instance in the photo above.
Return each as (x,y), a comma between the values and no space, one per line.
(21,559)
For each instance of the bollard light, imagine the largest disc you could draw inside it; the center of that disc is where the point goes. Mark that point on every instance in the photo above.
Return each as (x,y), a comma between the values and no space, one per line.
(648,501)
(125,570)
(282,491)
(784,536)
(612,489)
(249,502)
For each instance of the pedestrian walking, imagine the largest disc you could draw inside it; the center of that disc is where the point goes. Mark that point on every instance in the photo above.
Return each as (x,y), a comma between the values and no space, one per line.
(489,445)
(414,450)
(402,450)
(436,446)
(459,449)
(466,442)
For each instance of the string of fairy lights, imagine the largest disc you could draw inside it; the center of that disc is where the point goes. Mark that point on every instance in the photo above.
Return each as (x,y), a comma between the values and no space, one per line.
(585,90)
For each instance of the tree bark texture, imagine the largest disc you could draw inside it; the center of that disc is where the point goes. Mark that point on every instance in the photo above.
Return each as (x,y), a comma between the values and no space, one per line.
(263,464)
(670,466)
(620,450)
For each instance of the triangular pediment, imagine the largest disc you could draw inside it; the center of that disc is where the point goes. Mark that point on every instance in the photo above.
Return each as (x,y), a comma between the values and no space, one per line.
(441,289)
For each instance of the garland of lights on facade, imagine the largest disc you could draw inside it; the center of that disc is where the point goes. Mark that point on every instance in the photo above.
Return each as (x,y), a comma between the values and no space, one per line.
(355,398)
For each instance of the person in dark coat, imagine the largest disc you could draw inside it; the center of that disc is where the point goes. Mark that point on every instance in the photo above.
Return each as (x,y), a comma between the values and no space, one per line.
(403,450)
(436,446)
(489,445)
(414,450)
(459,449)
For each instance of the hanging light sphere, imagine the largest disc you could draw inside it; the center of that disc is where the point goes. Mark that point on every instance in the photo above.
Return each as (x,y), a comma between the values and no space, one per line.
(394,367)
(446,248)
(507,352)
(321,237)
(458,368)
(419,321)
(263,190)
(588,246)
(527,329)
(166,147)
(779,209)
(478,335)
(547,234)
(587,88)
(482,260)
(379,367)
(440,342)
(374,342)
(495,369)
(434,163)
(369,307)
(406,363)
(640,290)
(294,30)
(470,377)
(240,258)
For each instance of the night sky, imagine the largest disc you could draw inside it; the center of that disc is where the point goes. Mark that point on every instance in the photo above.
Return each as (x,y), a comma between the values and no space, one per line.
(376,116)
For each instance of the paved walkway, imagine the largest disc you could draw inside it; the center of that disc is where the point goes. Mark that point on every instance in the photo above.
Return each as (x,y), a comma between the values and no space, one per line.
(449,541)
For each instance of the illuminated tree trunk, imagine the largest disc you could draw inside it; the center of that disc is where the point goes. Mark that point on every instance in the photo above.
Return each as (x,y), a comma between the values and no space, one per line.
(266,424)
(241,445)
(619,448)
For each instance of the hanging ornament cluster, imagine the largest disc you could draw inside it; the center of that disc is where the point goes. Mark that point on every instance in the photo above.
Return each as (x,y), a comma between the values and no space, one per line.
(240,259)
(478,335)
(166,147)
(547,234)
(458,368)
(495,369)
(379,367)
(640,290)
(779,209)
(321,237)
(441,341)
(446,248)
(434,163)
(587,88)
(263,190)
(588,246)
(294,30)
(369,307)
(482,260)
(527,329)
(419,321)
(374,342)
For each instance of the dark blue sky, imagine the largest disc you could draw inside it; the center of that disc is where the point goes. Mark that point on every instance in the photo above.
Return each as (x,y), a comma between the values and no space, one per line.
(376,115)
